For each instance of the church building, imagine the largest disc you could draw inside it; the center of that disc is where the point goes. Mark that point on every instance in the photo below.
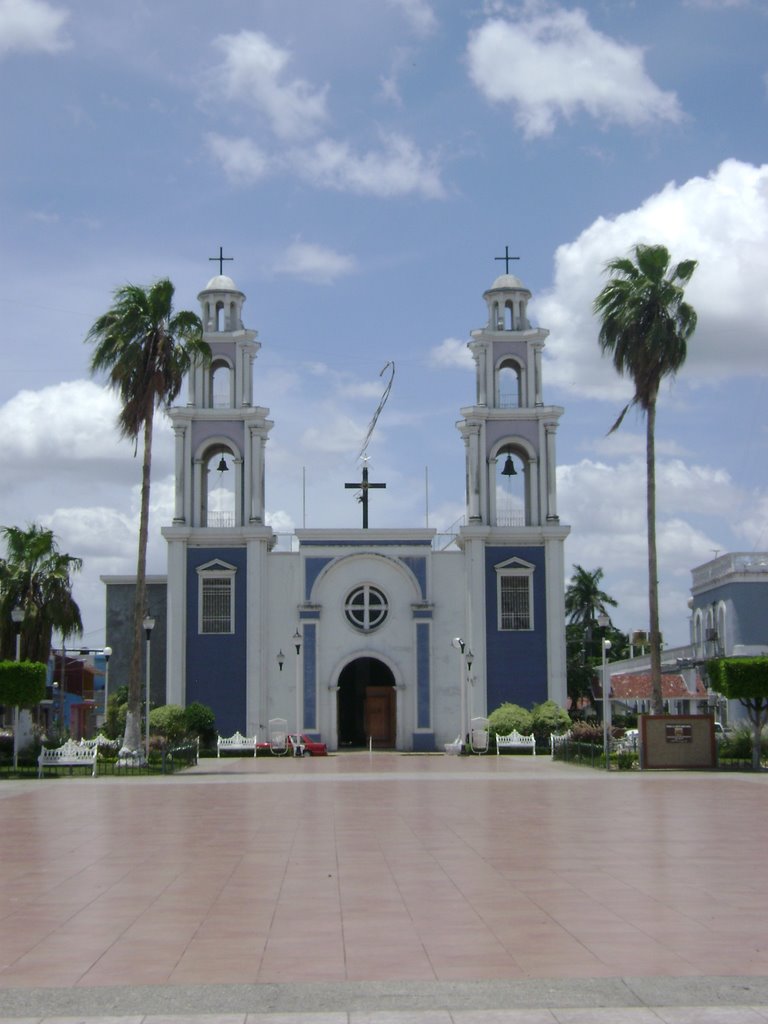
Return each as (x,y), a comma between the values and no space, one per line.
(362,635)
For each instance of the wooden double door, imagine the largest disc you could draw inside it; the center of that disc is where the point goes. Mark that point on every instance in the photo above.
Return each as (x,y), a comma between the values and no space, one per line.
(367,705)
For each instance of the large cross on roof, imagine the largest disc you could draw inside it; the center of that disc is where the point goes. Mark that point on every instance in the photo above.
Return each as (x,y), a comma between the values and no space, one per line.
(364,486)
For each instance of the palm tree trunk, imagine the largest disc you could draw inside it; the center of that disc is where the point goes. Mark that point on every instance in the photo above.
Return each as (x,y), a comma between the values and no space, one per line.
(132,745)
(657,700)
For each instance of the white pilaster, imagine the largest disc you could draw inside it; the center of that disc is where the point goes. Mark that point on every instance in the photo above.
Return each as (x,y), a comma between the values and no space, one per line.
(550,430)
(179,432)
(176,602)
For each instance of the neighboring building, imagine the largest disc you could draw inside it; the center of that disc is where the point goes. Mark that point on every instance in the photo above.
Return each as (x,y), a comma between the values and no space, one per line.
(729,618)
(376,610)
(683,693)
(729,605)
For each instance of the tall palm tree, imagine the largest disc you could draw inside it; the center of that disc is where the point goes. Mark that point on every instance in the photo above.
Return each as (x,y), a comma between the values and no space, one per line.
(145,348)
(645,326)
(36,577)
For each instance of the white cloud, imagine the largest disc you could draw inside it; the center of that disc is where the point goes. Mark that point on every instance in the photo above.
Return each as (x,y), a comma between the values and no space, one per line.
(253,72)
(554,64)
(243,162)
(28,26)
(315,263)
(67,422)
(335,435)
(720,220)
(419,13)
(397,169)
(605,507)
(453,353)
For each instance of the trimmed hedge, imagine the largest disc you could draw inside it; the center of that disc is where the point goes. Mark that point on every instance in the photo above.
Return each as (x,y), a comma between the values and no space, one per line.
(22,683)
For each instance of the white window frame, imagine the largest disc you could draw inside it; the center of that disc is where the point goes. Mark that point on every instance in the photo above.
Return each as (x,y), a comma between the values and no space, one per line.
(215,571)
(514,568)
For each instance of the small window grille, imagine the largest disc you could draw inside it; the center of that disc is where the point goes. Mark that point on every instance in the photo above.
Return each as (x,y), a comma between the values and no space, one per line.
(515,602)
(216,604)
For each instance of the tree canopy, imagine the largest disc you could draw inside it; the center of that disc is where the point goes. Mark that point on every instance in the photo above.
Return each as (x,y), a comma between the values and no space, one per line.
(36,577)
(645,325)
(744,680)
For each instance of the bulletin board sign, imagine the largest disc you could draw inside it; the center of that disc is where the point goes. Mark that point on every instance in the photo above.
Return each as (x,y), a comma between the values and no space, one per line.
(677,741)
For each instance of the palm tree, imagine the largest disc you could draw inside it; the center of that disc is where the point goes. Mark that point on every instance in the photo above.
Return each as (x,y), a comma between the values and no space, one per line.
(36,577)
(584,600)
(145,349)
(645,326)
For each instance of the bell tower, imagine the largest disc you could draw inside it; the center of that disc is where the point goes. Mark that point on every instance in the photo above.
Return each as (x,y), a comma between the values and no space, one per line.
(219,541)
(513,539)
(220,428)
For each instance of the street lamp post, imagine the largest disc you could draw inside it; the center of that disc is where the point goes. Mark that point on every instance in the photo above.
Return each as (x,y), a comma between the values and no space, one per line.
(107,655)
(297,644)
(17,616)
(458,644)
(603,622)
(149,625)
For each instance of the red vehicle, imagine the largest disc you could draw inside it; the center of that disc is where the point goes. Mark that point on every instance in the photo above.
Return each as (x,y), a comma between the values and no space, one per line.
(308,746)
(312,748)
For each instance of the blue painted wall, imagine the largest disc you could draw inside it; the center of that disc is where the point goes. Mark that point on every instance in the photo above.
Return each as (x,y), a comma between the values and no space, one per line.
(745,611)
(517,660)
(216,665)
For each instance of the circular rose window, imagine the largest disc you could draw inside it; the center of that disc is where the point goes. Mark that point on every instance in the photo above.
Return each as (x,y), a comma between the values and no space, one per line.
(366,607)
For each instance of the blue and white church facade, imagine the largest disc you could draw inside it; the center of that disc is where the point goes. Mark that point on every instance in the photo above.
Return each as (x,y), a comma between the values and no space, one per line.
(382,636)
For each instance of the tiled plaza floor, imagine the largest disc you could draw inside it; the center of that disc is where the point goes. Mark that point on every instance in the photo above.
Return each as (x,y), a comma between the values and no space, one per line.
(321,875)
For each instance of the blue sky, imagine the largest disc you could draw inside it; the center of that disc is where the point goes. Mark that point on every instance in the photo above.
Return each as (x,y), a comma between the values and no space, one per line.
(364,163)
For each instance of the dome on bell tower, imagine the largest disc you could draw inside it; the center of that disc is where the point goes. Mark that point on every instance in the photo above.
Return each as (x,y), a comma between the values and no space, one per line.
(507,301)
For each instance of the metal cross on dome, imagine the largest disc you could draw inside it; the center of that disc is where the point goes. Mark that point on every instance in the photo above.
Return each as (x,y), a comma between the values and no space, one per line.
(221,259)
(506,257)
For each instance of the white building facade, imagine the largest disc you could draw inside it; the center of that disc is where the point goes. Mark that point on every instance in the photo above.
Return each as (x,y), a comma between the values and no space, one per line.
(366,635)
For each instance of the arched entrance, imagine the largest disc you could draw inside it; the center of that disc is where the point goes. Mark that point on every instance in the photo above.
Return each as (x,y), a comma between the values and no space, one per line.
(367,704)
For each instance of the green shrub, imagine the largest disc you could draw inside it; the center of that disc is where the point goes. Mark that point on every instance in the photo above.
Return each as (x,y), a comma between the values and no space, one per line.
(625,759)
(201,722)
(170,721)
(510,718)
(738,744)
(549,718)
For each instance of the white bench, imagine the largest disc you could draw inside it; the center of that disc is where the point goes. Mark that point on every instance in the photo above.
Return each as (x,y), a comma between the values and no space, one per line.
(101,741)
(557,740)
(235,742)
(516,741)
(68,755)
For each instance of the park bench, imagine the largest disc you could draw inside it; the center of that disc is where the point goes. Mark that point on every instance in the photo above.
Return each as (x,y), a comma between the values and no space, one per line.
(69,755)
(236,742)
(516,741)
(557,740)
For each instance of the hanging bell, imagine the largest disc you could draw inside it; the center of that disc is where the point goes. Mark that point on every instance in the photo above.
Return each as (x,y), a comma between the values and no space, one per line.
(509,467)
(222,466)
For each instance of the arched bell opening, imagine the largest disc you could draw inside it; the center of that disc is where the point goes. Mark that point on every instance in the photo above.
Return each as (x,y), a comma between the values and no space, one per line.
(511,483)
(221,384)
(509,385)
(219,488)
